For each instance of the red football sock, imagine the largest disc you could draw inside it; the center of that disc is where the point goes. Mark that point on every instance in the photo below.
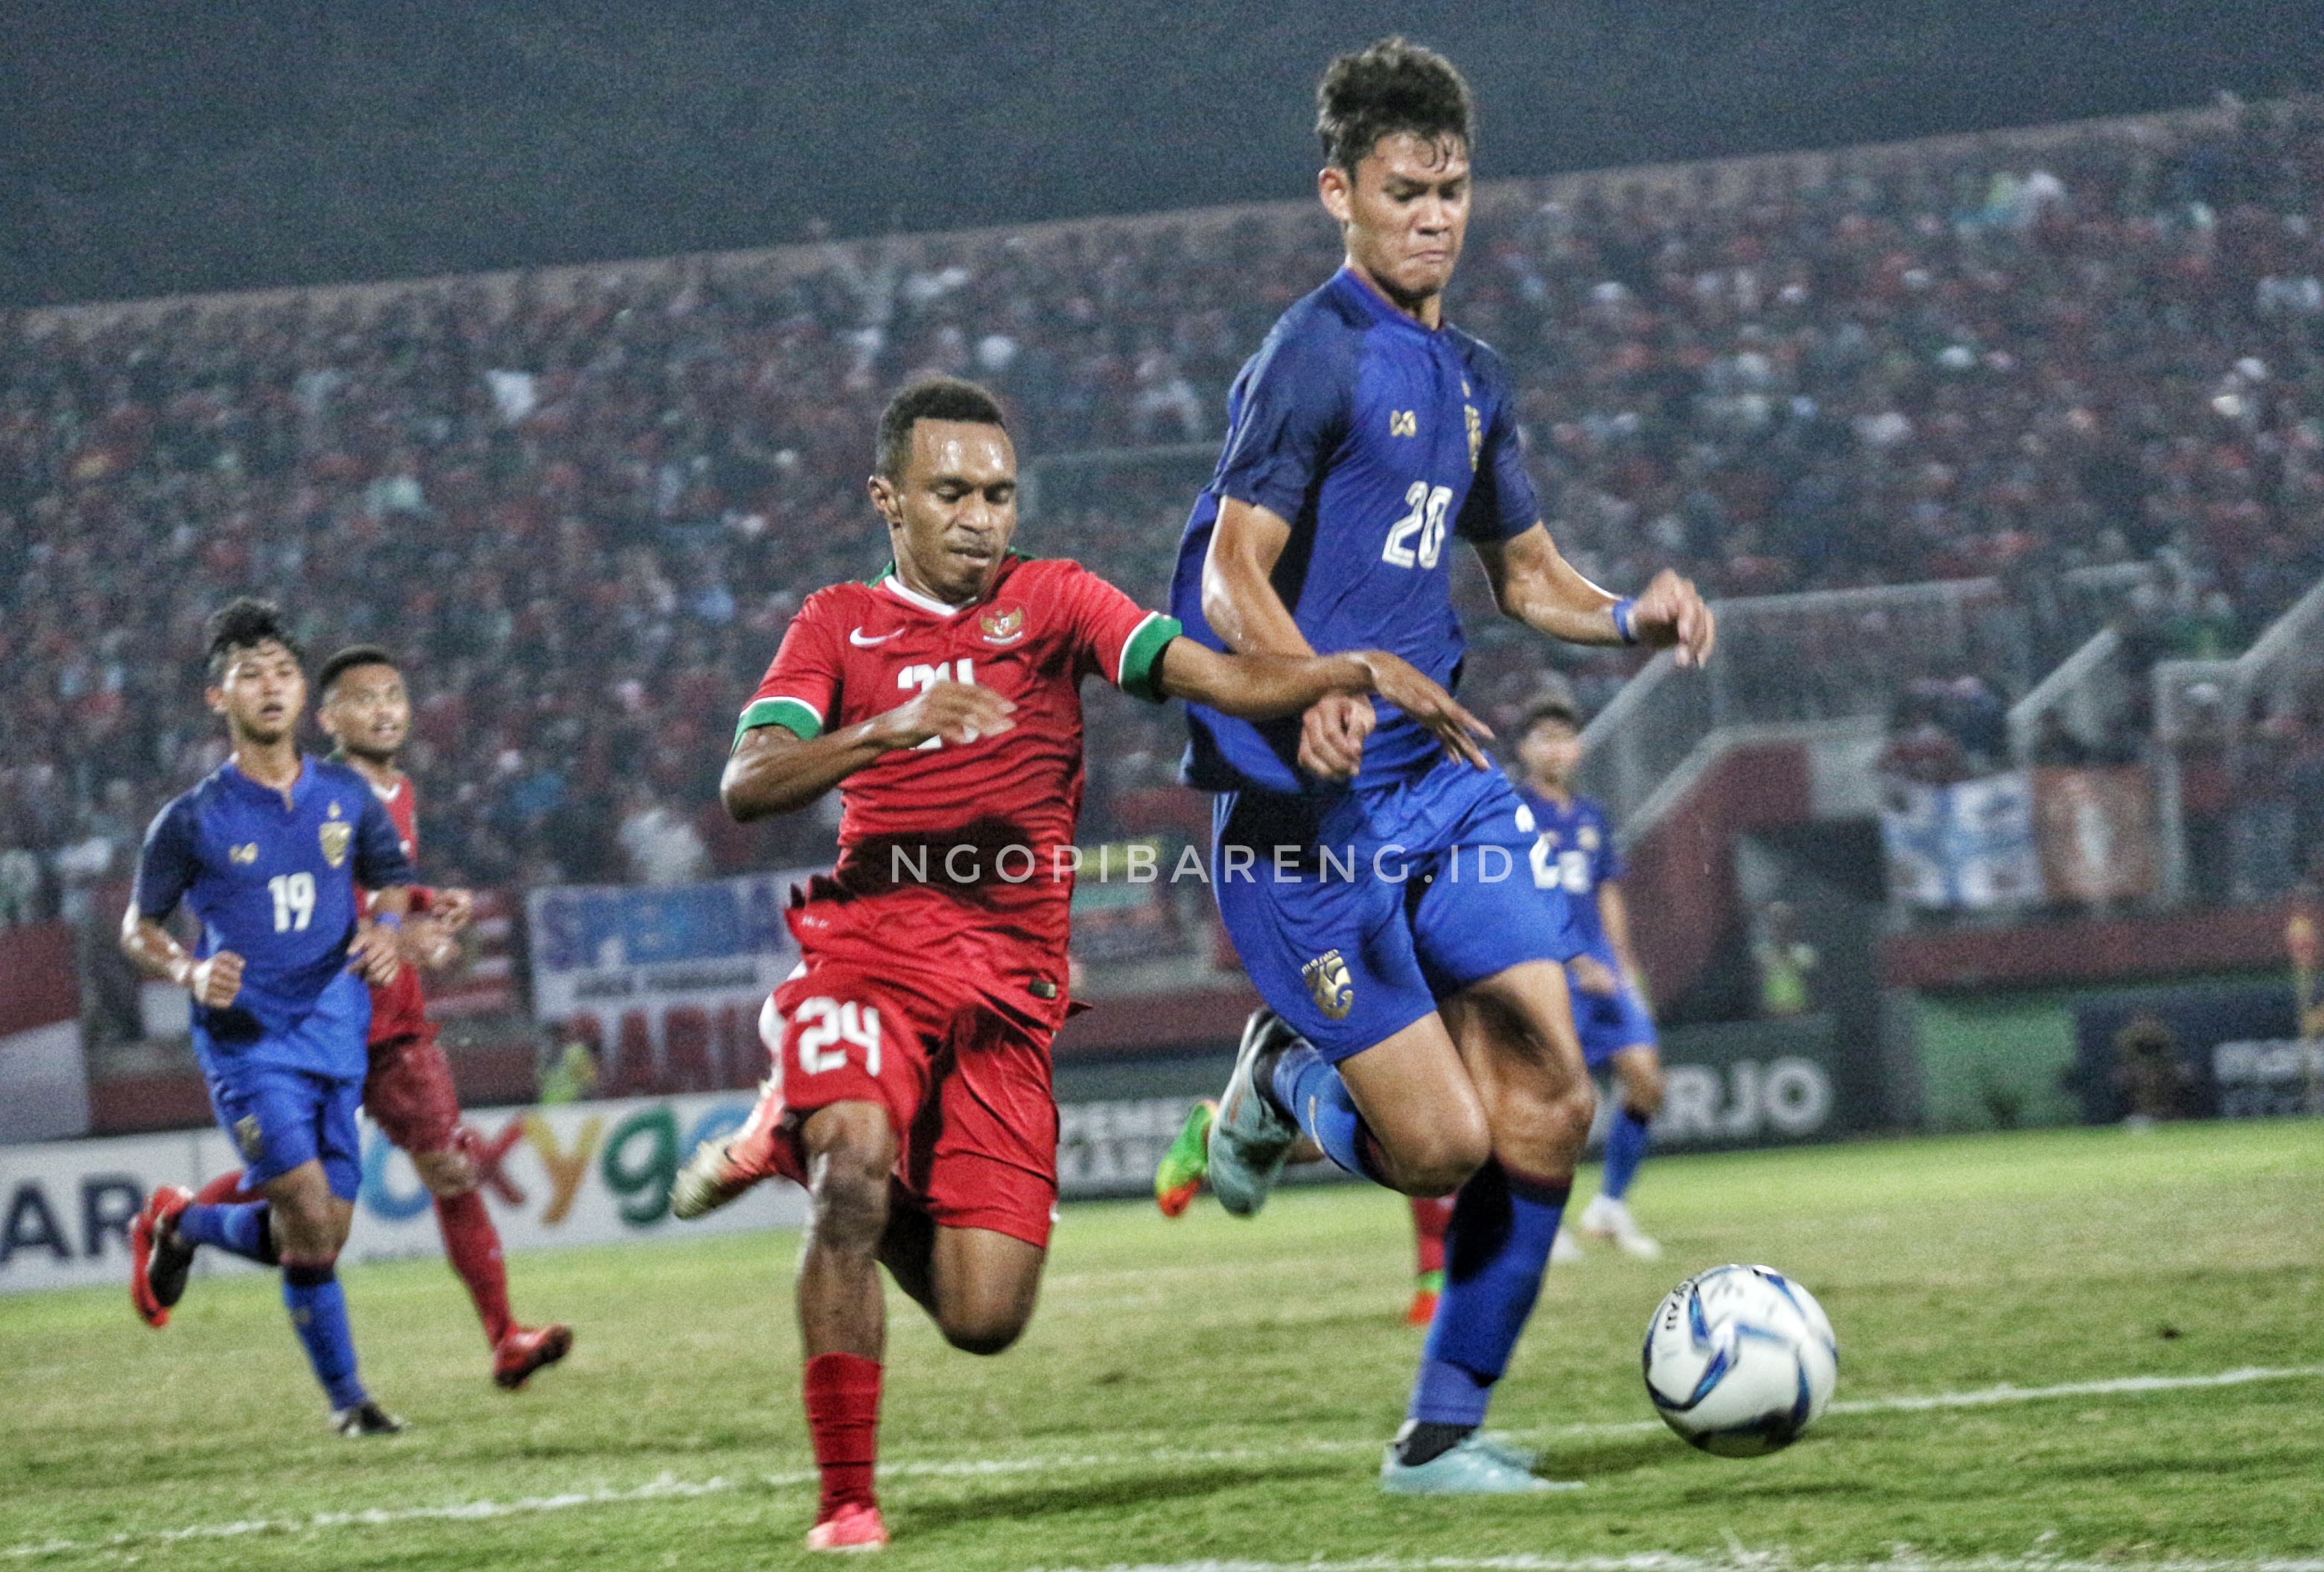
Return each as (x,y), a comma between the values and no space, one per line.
(842,1412)
(1430,1215)
(474,1247)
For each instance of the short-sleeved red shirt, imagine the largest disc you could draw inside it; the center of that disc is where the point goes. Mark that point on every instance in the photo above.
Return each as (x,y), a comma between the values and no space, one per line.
(952,860)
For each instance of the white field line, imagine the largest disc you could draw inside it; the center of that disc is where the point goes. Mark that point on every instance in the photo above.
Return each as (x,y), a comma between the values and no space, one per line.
(1740,1560)
(669,1488)
(1985,1397)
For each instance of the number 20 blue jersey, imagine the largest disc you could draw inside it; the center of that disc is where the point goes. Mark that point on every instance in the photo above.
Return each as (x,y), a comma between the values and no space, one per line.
(274,882)
(1376,438)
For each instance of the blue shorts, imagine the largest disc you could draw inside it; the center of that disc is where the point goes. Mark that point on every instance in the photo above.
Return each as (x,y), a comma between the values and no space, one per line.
(291,1097)
(1354,914)
(1609,1023)
(279,1118)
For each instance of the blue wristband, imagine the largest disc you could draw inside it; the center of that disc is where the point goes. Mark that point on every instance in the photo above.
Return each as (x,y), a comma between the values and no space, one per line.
(1624,612)
(389,919)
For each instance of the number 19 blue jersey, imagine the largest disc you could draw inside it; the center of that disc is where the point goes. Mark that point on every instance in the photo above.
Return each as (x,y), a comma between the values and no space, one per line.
(274,882)
(1374,438)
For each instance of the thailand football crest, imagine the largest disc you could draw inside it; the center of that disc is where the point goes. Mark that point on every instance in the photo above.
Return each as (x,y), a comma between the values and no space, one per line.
(336,835)
(1328,980)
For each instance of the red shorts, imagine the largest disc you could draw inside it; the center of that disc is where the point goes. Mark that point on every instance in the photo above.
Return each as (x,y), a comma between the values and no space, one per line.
(966,1089)
(408,1093)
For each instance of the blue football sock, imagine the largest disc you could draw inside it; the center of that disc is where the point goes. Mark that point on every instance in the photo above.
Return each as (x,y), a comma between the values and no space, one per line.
(318,1313)
(240,1228)
(1312,1092)
(1625,1148)
(1495,1253)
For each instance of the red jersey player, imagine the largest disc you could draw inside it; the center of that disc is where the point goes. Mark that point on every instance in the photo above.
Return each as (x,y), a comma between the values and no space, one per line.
(408,1089)
(911,1091)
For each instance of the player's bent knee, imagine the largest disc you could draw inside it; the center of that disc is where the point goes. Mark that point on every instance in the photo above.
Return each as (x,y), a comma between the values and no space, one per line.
(851,1152)
(1445,1162)
(446,1174)
(985,1334)
(1639,1071)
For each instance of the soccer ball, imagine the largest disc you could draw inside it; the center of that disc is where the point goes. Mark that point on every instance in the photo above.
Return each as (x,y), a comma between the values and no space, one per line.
(1740,1359)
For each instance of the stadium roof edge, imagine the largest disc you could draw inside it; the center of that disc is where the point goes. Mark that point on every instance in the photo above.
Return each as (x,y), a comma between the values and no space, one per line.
(803,256)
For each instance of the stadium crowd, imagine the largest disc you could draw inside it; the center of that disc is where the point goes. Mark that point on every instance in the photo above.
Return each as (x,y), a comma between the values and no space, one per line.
(584,509)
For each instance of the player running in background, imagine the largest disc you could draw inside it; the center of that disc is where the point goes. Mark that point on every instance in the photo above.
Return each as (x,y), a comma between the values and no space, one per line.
(911,1090)
(268,852)
(1419,1030)
(1573,851)
(1432,1217)
(408,1089)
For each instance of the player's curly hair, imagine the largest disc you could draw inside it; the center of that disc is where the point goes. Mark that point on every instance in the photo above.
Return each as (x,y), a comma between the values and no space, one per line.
(244,623)
(346,661)
(933,398)
(1392,86)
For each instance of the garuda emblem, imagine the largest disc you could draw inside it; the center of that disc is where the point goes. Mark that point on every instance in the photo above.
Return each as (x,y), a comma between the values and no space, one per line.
(1003,624)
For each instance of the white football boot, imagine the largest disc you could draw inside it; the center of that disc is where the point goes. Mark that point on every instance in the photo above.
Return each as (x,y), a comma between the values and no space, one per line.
(1610,1219)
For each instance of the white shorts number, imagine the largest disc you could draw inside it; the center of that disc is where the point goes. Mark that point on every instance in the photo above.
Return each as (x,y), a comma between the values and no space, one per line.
(827,1027)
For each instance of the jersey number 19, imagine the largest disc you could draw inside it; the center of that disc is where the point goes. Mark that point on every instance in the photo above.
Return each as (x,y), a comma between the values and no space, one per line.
(294,901)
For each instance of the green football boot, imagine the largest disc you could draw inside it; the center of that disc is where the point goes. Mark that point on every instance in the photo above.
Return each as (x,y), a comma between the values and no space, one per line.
(1179,1174)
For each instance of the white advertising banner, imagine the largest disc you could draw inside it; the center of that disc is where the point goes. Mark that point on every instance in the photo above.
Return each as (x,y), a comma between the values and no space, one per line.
(1967,846)
(605,949)
(584,1173)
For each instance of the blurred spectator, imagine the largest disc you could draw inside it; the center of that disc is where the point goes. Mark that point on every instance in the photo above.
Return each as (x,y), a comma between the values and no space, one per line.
(20,887)
(1785,960)
(2148,1071)
(661,845)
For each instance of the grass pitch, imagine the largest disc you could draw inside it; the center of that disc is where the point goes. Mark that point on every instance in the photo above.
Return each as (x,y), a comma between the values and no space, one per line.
(1212,1390)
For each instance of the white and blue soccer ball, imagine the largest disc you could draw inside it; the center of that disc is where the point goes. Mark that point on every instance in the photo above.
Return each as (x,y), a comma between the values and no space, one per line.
(1740,1360)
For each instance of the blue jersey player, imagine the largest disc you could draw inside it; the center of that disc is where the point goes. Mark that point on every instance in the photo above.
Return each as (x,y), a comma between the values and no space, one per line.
(1573,853)
(267,852)
(1419,1030)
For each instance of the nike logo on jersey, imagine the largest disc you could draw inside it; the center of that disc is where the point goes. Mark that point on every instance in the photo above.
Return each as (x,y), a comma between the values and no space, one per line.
(857,638)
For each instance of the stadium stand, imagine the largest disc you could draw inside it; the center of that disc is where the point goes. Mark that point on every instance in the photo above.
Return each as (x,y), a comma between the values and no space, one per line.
(584,502)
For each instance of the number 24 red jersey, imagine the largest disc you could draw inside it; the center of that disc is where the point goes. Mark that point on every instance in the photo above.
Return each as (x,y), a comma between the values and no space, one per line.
(950,857)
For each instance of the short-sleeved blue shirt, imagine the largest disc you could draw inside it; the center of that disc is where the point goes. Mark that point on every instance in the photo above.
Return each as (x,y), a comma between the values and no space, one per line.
(274,882)
(1575,851)
(1376,439)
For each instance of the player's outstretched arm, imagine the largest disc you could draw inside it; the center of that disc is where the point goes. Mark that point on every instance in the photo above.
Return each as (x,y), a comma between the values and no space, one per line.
(774,770)
(1263,687)
(1242,607)
(1534,584)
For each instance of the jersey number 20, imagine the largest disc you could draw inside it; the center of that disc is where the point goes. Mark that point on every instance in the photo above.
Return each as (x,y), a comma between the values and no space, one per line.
(1426,520)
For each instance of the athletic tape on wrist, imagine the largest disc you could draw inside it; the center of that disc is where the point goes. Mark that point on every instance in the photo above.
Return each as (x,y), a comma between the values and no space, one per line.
(1626,612)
